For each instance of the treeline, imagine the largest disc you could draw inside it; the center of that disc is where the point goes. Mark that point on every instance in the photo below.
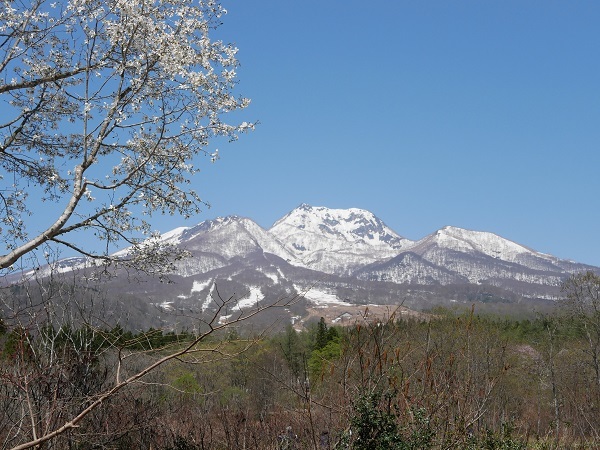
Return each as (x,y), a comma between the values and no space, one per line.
(457,379)
(90,339)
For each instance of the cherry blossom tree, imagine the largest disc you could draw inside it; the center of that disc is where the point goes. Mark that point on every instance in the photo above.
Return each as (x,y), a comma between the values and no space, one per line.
(106,107)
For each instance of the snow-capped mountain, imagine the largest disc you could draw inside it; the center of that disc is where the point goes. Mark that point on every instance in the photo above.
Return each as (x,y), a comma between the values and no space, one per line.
(454,255)
(355,245)
(216,243)
(230,237)
(327,259)
(337,241)
(484,243)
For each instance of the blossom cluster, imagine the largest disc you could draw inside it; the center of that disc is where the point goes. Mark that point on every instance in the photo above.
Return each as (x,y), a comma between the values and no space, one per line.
(110,102)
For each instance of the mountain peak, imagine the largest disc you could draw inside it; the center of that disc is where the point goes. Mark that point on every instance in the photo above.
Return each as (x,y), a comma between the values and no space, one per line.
(460,239)
(323,237)
(351,224)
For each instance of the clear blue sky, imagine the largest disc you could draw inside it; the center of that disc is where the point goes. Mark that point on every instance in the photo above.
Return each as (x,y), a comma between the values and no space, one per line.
(478,114)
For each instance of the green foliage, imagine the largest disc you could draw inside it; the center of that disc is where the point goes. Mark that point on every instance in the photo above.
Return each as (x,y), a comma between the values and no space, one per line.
(321,343)
(502,441)
(230,394)
(375,428)
(181,443)
(293,351)
(83,340)
(320,357)
(326,348)
(321,337)
(187,384)
(152,339)
(16,344)
(376,425)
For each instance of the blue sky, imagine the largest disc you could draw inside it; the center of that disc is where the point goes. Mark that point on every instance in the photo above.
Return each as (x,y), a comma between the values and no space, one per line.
(477,114)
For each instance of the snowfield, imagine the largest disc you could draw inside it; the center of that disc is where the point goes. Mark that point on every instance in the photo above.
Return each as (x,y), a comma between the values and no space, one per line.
(320,298)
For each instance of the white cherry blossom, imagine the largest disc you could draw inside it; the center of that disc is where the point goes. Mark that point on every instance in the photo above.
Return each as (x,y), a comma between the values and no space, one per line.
(121,96)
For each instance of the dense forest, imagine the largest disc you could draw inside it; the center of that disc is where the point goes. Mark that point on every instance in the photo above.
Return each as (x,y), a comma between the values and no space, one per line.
(450,379)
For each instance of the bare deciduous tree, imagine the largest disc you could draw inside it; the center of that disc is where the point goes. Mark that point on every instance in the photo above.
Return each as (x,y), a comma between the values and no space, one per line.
(53,378)
(583,301)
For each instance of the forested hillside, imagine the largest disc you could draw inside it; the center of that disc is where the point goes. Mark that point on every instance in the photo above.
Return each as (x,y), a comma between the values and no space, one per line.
(456,379)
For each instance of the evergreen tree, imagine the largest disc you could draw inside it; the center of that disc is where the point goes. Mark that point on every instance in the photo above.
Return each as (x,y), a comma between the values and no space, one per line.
(322,336)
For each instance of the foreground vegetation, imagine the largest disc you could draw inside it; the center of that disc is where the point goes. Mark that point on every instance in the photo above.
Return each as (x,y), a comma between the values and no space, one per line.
(457,380)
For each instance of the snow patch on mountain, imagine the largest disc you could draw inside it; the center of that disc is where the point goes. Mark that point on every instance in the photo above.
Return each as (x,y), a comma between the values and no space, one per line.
(272,276)
(198,286)
(320,297)
(167,306)
(209,298)
(248,301)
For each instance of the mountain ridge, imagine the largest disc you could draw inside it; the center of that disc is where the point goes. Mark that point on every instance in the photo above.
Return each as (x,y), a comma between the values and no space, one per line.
(348,242)
(335,260)
(355,243)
